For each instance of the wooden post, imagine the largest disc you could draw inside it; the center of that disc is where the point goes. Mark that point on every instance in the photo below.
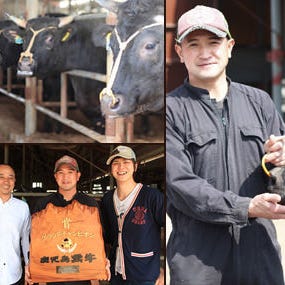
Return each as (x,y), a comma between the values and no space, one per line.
(30,110)
(130,128)
(9,79)
(1,76)
(31,86)
(6,153)
(39,92)
(63,95)
(120,129)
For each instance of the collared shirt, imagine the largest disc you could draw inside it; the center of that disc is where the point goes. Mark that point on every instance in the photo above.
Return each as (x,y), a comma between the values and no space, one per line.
(15,224)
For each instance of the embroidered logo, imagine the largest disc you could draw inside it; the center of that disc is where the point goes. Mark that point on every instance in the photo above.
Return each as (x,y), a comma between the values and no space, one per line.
(139,218)
(67,246)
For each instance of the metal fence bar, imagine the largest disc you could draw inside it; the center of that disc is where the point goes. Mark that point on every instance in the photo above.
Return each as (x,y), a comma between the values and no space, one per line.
(117,129)
(87,74)
(70,123)
(11,95)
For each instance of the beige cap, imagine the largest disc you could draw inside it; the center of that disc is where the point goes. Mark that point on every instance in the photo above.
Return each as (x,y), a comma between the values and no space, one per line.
(66,160)
(202,18)
(122,151)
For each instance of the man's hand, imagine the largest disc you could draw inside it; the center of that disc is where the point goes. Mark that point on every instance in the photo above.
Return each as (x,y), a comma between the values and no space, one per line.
(108,268)
(28,279)
(160,279)
(96,282)
(275,149)
(266,206)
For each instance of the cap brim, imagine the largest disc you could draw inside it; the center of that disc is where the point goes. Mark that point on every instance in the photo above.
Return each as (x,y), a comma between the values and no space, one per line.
(217,32)
(108,162)
(69,164)
(110,159)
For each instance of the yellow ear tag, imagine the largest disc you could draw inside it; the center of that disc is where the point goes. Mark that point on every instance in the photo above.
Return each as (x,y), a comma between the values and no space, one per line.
(65,37)
(264,166)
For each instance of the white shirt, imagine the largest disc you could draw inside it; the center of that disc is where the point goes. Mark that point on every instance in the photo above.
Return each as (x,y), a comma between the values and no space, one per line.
(15,222)
(121,208)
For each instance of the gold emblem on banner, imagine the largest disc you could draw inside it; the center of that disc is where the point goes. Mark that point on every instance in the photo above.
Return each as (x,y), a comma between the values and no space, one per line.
(67,246)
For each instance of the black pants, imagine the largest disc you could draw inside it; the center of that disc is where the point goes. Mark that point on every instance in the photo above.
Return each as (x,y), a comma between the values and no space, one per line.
(118,280)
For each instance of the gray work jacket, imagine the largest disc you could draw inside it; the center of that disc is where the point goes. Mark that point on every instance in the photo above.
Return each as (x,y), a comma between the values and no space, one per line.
(213,169)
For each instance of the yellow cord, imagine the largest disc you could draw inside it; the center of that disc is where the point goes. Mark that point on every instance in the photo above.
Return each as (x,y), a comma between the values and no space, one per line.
(264,166)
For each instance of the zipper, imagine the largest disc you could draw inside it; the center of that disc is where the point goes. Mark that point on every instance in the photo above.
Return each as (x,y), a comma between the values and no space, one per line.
(225,123)
(120,242)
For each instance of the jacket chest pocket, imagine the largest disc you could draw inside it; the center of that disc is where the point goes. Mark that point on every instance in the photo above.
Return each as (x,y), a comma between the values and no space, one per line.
(251,146)
(203,151)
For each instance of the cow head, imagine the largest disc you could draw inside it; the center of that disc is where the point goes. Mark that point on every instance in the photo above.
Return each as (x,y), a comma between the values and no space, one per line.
(276,180)
(136,83)
(10,43)
(39,38)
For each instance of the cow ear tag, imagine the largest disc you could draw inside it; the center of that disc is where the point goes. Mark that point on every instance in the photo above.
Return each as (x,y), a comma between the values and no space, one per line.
(266,171)
(18,40)
(66,36)
(108,40)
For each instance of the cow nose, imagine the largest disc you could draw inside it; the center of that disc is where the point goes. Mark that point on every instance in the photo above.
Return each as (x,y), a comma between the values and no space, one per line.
(26,61)
(109,100)
(109,108)
(25,66)
(108,96)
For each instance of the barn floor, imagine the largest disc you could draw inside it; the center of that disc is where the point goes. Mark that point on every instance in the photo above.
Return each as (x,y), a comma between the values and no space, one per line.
(12,128)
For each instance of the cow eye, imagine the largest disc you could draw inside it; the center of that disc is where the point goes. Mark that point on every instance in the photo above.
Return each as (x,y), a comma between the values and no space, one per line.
(150,46)
(49,41)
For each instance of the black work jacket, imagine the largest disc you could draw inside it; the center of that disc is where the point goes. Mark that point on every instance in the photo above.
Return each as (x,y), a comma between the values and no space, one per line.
(213,169)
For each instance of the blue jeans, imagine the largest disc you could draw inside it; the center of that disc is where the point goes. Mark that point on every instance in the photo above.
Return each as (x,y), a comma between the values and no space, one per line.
(118,280)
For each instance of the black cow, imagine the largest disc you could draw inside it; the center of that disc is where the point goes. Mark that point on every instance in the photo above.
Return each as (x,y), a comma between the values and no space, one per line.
(53,45)
(11,46)
(276,182)
(10,43)
(137,42)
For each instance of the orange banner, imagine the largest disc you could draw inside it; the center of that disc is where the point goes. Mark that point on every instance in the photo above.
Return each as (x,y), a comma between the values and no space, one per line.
(67,244)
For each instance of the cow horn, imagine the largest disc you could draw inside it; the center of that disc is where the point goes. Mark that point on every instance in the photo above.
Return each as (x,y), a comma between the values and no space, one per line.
(20,22)
(111,5)
(63,21)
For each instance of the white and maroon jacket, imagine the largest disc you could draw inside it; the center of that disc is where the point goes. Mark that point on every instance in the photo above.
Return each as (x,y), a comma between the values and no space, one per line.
(136,233)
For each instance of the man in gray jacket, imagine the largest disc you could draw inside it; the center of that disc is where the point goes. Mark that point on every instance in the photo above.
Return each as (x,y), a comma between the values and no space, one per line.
(217,132)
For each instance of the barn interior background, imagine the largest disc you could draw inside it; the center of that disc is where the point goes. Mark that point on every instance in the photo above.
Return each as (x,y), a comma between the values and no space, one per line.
(258,28)
(23,8)
(26,121)
(34,164)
